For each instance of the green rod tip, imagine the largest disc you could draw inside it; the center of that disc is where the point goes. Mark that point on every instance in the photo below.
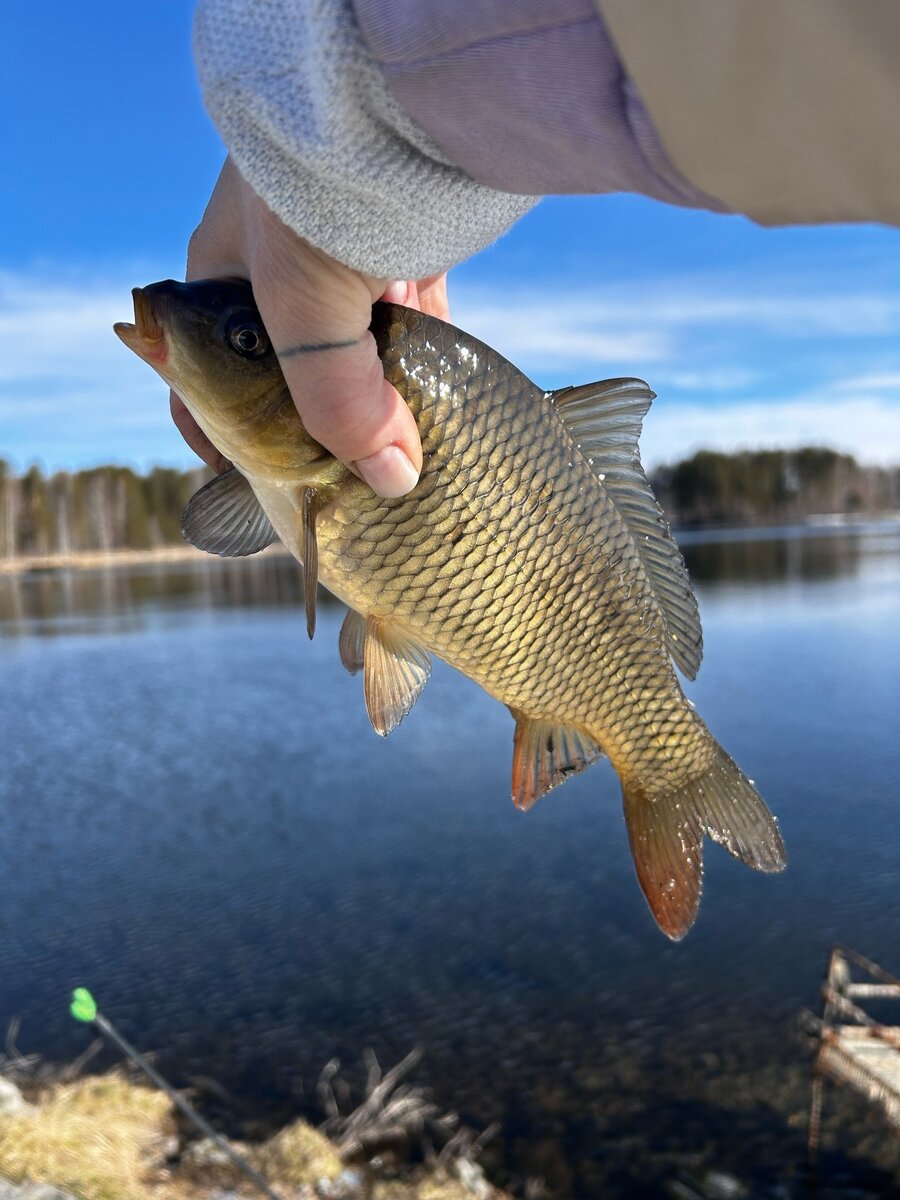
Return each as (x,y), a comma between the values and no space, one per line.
(83,1006)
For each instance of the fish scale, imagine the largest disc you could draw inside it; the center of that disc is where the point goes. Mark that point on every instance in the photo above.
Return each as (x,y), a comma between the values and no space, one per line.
(531,555)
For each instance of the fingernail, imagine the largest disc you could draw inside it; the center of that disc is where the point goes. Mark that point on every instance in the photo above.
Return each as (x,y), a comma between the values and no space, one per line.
(397,292)
(389,472)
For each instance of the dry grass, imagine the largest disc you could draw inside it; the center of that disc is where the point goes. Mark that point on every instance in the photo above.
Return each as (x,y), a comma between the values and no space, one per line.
(107,1138)
(98,1137)
(298,1154)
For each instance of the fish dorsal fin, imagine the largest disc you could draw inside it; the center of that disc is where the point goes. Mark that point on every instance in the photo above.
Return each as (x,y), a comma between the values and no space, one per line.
(544,754)
(604,419)
(225,518)
(352,642)
(396,668)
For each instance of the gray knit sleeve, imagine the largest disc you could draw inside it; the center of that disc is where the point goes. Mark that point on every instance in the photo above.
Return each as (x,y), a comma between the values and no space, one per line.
(308,119)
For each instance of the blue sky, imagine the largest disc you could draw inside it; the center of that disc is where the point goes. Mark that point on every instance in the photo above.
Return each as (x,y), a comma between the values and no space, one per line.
(750,337)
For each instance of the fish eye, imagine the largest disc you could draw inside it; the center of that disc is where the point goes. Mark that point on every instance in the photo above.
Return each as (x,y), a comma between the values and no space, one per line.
(247,337)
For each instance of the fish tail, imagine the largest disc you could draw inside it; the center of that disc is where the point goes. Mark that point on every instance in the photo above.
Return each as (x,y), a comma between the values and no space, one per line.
(666,831)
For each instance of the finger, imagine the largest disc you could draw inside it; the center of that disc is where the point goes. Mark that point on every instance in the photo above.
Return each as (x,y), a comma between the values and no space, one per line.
(401,291)
(194,435)
(346,404)
(428,295)
(331,365)
(433,296)
(214,250)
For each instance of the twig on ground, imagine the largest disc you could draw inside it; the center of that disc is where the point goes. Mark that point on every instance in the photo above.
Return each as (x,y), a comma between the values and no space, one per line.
(16,1066)
(466,1144)
(390,1112)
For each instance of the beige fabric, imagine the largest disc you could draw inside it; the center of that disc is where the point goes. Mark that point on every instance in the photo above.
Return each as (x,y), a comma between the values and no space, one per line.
(786,110)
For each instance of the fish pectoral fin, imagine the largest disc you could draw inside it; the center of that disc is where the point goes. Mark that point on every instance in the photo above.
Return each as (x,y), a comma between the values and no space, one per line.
(313,501)
(604,420)
(666,834)
(396,670)
(544,754)
(352,642)
(224,517)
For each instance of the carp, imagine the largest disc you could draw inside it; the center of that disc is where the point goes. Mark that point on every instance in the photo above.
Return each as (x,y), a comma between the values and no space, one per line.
(532,556)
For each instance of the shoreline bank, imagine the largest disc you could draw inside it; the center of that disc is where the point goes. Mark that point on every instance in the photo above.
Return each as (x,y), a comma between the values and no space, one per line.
(85,560)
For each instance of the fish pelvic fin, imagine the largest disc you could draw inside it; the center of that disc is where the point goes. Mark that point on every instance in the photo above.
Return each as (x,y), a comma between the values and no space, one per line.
(352,642)
(545,754)
(395,669)
(666,833)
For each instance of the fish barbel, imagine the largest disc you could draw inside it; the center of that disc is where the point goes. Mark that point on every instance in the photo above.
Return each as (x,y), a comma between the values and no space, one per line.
(532,556)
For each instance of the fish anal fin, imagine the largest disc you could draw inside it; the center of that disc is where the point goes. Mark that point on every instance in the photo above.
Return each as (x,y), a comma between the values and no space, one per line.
(352,642)
(544,754)
(224,517)
(604,420)
(396,668)
(666,832)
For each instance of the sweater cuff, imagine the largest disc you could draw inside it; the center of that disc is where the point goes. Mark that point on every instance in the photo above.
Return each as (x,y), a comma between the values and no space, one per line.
(308,119)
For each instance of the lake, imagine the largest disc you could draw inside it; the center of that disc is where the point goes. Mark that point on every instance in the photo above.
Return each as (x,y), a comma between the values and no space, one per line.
(198,823)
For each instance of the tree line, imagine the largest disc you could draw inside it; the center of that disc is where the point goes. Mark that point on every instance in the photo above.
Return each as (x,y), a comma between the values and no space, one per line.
(104,508)
(110,508)
(757,487)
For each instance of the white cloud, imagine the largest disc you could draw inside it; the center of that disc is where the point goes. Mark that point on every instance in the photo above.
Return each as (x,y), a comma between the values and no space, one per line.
(723,361)
(49,328)
(889,381)
(867,426)
(71,394)
(660,309)
(709,380)
(540,331)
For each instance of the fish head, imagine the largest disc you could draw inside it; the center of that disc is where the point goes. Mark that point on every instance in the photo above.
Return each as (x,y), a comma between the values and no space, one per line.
(208,342)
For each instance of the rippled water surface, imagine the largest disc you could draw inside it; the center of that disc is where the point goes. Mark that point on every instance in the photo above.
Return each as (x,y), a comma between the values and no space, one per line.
(198,823)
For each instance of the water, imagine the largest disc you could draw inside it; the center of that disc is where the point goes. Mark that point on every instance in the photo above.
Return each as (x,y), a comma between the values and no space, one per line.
(198,823)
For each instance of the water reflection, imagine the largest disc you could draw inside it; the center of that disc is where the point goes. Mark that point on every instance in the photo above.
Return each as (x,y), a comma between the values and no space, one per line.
(780,555)
(118,598)
(262,883)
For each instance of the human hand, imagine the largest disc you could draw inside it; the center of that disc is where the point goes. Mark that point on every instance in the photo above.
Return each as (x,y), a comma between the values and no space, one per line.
(317,313)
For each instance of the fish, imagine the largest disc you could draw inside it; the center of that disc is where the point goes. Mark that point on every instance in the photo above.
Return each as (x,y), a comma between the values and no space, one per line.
(532,556)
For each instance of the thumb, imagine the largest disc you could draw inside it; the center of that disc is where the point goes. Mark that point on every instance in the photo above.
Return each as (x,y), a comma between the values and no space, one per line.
(317,314)
(337,382)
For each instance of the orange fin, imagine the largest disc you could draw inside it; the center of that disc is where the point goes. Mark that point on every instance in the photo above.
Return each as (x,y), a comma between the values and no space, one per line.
(666,833)
(352,642)
(544,754)
(396,670)
(666,844)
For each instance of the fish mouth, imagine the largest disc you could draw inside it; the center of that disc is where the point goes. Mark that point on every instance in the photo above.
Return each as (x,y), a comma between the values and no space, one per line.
(146,337)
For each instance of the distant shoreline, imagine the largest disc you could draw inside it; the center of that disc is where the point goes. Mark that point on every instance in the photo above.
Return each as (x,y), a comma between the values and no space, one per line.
(83,560)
